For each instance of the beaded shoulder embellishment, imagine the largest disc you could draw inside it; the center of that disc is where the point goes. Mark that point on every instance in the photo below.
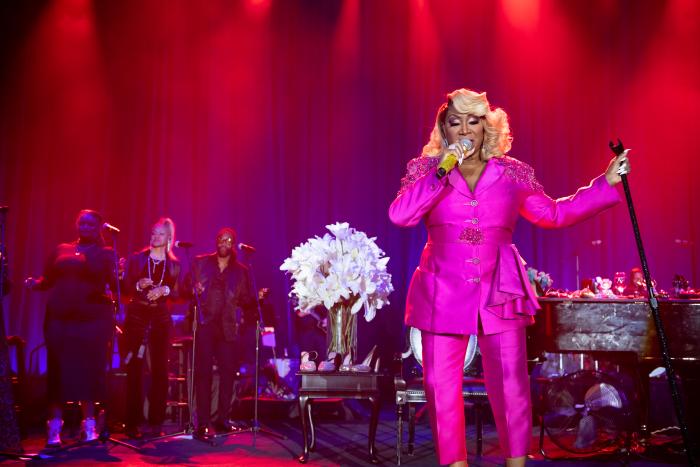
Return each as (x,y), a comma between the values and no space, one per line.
(415,169)
(520,172)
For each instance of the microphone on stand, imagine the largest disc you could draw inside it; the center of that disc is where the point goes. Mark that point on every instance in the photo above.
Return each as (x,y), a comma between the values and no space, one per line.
(246,248)
(452,159)
(111,228)
(181,244)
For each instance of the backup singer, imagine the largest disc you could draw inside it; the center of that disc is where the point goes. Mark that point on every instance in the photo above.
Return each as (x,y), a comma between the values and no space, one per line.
(471,278)
(78,324)
(224,287)
(152,278)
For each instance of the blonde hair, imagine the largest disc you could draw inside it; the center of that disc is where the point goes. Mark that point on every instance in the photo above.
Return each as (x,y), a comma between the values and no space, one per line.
(497,137)
(170,227)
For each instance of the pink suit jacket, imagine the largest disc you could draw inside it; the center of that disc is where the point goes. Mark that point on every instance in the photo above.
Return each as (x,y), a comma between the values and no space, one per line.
(469,268)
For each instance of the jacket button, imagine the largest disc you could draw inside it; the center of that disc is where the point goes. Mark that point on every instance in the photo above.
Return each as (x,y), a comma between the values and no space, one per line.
(432,187)
(474,202)
(476,280)
(476,260)
(475,221)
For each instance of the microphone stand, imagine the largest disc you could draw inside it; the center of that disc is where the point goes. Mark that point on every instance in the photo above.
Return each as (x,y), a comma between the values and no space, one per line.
(255,427)
(196,321)
(116,303)
(618,149)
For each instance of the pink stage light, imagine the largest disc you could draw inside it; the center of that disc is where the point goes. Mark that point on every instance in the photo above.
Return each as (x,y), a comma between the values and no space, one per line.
(522,14)
(258,7)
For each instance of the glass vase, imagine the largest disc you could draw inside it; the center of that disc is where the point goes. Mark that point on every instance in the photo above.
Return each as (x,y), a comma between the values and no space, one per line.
(342,331)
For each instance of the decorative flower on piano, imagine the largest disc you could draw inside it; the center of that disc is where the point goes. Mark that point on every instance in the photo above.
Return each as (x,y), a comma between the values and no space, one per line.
(540,281)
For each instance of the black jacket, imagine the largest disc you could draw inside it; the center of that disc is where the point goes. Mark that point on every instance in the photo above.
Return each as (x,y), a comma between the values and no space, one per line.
(239,291)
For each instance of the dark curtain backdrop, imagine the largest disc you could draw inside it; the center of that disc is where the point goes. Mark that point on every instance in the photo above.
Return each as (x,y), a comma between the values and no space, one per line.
(278,117)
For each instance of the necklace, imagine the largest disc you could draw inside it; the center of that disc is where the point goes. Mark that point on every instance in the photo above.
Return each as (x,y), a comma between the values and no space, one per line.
(82,248)
(155,265)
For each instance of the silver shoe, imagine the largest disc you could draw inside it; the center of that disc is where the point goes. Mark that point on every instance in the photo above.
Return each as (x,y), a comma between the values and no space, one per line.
(53,432)
(88,430)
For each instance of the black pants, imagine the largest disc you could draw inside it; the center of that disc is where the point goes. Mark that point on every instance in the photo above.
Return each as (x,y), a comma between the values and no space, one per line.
(77,353)
(149,325)
(211,343)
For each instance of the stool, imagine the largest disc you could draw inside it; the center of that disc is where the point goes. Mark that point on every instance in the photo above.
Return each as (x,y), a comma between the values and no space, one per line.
(179,376)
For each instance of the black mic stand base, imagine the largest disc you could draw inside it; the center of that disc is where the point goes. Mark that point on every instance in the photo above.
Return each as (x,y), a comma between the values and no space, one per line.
(104,438)
(187,432)
(254,429)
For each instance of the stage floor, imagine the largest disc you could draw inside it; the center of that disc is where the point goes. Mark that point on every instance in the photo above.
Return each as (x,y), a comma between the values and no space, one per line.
(340,442)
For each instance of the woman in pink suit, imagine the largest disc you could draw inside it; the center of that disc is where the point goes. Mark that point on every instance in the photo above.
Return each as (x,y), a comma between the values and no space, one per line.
(471,279)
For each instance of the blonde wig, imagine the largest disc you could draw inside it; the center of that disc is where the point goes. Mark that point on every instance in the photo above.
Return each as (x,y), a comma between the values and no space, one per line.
(497,137)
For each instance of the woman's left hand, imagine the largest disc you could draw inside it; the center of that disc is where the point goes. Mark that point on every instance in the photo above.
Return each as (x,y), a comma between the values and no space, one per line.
(155,293)
(618,165)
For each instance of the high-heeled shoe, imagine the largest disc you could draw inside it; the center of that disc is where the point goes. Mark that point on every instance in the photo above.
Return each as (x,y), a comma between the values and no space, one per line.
(53,435)
(308,361)
(367,364)
(347,362)
(88,430)
(331,363)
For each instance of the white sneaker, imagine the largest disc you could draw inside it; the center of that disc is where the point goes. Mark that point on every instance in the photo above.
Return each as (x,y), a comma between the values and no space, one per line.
(88,430)
(53,435)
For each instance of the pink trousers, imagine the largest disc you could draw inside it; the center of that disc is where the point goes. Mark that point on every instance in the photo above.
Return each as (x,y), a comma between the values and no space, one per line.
(504,360)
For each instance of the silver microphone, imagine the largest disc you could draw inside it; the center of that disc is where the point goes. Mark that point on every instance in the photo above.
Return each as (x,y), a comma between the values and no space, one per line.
(467,145)
(111,228)
(246,248)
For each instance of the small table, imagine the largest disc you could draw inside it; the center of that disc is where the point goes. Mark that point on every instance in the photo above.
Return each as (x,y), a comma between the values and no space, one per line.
(337,385)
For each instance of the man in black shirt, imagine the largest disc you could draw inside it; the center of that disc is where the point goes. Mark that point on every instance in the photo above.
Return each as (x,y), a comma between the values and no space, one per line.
(224,288)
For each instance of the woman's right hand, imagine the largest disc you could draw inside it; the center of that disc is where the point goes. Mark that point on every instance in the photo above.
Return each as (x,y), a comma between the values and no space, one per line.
(454,149)
(31,283)
(144,283)
(199,288)
(458,150)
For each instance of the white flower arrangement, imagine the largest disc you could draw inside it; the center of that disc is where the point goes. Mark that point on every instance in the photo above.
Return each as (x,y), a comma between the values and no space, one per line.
(346,267)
